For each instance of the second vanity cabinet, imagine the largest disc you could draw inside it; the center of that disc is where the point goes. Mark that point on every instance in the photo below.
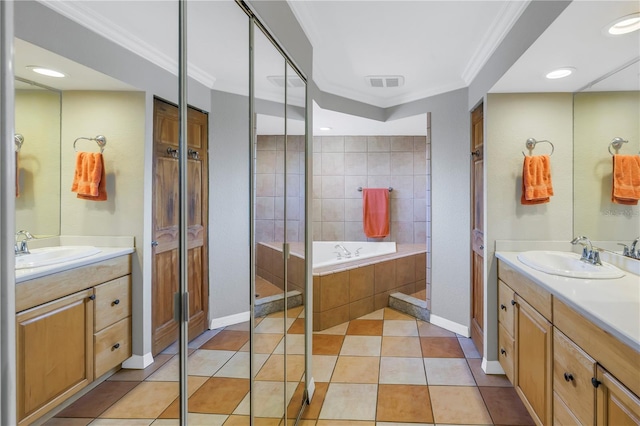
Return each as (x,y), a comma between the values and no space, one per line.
(566,370)
(71,328)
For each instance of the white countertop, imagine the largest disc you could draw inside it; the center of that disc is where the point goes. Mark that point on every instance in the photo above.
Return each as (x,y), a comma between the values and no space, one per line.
(611,304)
(104,254)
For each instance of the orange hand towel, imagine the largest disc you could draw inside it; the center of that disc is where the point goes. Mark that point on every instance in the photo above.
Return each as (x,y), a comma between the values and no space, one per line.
(17,177)
(375,203)
(536,180)
(89,179)
(626,179)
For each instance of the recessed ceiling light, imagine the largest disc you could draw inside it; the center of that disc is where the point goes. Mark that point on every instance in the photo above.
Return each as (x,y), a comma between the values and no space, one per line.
(560,73)
(325,129)
(624,25)
(46,71)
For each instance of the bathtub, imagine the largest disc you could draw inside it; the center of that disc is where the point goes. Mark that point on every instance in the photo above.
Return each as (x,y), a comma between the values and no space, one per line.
(325,253)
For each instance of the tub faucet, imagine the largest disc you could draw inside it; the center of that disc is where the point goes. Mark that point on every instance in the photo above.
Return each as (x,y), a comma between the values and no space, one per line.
(347,253)
(589,255)
(21,247)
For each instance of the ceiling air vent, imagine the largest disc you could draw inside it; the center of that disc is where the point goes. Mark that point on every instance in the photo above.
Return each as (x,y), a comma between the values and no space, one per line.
(292,80)
(385,80)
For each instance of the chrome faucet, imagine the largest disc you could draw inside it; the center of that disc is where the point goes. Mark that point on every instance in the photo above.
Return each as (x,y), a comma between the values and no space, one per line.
(631,251)
(347,253)
(21,247)
(589,254)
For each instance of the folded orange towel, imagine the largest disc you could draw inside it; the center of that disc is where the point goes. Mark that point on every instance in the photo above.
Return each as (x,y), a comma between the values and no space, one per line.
(536,180)
(626,179)
(89,179)
(17,177)
(375,208)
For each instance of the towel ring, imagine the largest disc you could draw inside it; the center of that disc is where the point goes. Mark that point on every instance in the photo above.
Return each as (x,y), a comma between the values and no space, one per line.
(531,144)
(616,143)
(100,140)
(18,139)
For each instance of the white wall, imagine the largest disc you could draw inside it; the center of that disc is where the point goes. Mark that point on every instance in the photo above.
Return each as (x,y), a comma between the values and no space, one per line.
(510,119)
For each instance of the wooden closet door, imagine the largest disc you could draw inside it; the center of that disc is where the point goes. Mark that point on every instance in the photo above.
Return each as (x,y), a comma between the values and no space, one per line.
(477,229)
(165,270)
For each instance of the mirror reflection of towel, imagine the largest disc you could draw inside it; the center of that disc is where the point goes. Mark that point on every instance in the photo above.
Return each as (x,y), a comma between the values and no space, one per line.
(17,176)
(89,179)
(626,179)
(375,207)
(536,180)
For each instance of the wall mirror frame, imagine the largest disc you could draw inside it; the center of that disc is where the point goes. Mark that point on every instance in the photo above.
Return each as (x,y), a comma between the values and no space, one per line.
(605,109)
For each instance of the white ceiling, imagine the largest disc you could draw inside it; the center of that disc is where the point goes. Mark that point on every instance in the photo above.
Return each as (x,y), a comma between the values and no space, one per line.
(436,45)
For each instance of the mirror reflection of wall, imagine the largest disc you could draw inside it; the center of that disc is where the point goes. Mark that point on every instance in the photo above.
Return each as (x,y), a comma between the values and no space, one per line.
(37,119)
(601,114)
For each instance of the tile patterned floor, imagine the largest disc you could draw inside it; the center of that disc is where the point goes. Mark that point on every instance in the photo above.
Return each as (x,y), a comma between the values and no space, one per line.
(384,369)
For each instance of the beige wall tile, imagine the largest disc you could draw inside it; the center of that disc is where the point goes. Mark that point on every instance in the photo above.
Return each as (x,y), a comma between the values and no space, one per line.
(333,144)
(334,290)
(402,143)
(378,163)
(378,143)
(355,163)
(355,144)
(333,164)
(361,282)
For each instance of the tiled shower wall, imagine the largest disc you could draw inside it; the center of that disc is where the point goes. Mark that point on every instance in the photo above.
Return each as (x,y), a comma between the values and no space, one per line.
(341,164)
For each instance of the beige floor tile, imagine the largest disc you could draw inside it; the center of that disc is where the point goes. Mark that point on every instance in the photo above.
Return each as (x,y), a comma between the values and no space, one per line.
(263,343)
(273,368)
(408,347)
(169,372)
(241,326)
(239,365)
(340,329)
(483,379)
(356,369)
(448,372)
(268,400)
(361,345)
(343,423)
(392,314)
(323,366)
(203,338)
(206,362)
(458,404)
(121,422)
(402,424)
(375,315)
(400,328)
(295,345)
(402,371)
(469,348)
(68,421)
(426,329)
(350,402)
(126,374)
(274,325)
(146,401)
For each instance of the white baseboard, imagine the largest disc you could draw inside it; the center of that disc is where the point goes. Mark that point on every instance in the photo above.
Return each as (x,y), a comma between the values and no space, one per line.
(311,389)
(138,362)
(449,325)
(491,367)
(229,320)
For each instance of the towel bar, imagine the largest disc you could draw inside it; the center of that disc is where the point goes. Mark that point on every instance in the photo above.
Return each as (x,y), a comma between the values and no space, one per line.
(100,140)
(531,144)
(360,189)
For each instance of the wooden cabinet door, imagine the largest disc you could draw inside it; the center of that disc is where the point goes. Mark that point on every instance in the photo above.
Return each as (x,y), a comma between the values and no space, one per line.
(616,405)
(477,229)
(54,353)
(534,361)
(165,271)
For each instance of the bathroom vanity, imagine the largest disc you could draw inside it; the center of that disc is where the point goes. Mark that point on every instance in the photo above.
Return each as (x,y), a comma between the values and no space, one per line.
(571,347)
(73,325)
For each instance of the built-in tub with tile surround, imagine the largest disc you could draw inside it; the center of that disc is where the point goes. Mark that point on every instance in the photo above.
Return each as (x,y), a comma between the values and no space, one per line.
(347,290)
(327,253)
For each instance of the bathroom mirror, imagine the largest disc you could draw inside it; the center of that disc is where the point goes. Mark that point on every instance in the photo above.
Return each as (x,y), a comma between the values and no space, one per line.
(37,122)
(608,109)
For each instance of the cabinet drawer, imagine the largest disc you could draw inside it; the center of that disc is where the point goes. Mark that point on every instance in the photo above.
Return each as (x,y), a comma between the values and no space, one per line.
(573,370)
(536,296)
(506,353)
(562,416)
(112,346)
(113,302)
(506,300)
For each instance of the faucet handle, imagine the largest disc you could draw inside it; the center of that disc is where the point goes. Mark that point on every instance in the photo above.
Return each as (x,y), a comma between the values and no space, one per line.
(625,249)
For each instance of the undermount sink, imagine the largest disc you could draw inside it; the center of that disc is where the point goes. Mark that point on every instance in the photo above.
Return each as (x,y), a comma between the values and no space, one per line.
(568,264)
(52,255)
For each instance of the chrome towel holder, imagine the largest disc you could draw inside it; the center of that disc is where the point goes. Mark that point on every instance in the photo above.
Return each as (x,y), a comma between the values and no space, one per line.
(18,139)
(360,189)
(616,143)
(531,144)
(100,140)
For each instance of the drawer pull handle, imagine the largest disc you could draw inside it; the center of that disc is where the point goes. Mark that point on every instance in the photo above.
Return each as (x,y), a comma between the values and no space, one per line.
(116,302)
(503,352)
(503,307)
(116,346)
(513,303)
(568,377)
(92,297)
(595,382)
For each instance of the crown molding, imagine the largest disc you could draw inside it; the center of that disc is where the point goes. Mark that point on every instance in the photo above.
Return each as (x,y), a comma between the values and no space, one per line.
(501,26)
(83,15)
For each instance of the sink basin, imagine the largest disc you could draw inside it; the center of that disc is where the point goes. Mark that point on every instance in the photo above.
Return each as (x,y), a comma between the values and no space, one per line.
(568,264)
(52,255)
